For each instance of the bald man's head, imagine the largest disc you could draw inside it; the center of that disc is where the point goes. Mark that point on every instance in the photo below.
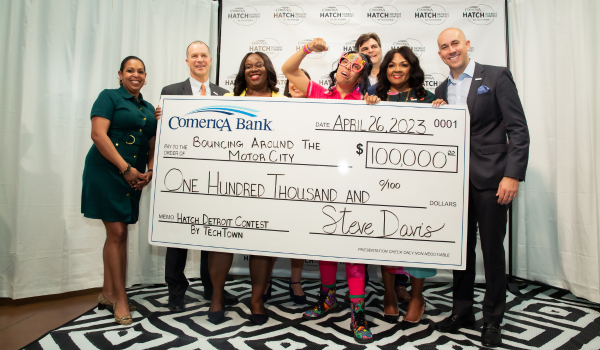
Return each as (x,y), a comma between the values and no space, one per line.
(454,50)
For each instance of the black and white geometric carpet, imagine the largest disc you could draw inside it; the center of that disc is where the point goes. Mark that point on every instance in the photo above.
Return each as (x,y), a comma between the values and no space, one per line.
(549,319)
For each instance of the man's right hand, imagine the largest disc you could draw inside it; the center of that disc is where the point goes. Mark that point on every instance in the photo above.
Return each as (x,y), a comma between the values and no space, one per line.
(438,103)
(157,113)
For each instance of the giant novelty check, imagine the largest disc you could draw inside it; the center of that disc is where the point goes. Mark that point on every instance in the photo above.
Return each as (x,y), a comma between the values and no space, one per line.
(313,179)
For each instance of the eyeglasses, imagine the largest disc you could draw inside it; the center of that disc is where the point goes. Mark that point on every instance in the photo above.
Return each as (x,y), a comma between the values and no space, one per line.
(352,61)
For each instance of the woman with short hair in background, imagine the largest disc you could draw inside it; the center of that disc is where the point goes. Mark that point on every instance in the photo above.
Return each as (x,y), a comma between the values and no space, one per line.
(123,131)
(295,285)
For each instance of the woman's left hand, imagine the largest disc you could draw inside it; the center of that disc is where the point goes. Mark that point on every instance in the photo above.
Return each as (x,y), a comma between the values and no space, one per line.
(143,181)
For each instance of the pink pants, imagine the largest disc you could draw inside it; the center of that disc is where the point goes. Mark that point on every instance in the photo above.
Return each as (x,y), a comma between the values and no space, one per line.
(355,274)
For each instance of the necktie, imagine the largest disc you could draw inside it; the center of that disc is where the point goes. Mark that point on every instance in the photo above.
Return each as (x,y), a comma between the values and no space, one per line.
(203,91)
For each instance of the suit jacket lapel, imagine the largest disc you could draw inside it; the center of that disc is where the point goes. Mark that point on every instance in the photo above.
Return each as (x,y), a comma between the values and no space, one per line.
(213,89)
(187,88)
(475,84)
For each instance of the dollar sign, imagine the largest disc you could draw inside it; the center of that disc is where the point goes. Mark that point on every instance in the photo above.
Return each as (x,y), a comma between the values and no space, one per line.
(360,150)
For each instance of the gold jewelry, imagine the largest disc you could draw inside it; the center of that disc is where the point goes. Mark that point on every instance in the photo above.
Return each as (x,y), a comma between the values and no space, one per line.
(126,170)
(407,93)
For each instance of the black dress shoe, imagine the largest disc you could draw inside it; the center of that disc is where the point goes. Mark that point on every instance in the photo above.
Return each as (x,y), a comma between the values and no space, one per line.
(453,323)
(259,319)
(176,303)
(216,317)
(490,335)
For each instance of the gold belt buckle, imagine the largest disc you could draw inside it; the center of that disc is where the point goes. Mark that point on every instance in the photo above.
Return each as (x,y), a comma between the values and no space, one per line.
(132,142)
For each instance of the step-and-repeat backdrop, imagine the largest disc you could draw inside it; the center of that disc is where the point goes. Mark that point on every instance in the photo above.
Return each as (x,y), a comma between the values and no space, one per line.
(280,28)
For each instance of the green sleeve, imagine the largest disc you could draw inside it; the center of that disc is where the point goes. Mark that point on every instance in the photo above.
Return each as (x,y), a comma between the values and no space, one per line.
(104,106)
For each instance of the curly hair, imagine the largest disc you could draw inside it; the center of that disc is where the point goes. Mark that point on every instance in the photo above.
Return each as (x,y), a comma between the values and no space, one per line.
(239,85)
(286,91)
(364,75)
(415,81)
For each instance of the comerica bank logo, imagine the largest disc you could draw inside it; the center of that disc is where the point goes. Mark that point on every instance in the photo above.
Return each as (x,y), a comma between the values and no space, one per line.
(432,14)
(480,14)
(240,123)
(290,14)
(268,46)
(312,54)
(385,14)
(339,14)
(245,16)
(414,44)
(433,80)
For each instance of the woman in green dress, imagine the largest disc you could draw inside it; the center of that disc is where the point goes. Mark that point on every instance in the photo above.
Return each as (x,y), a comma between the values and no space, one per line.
(123,130)
(401,79)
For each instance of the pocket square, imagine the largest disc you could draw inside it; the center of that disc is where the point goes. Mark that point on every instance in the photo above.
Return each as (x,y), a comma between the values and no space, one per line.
(482,89)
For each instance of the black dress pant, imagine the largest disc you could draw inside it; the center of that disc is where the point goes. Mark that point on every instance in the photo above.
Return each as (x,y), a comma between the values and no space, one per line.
(484,211)
(174,266)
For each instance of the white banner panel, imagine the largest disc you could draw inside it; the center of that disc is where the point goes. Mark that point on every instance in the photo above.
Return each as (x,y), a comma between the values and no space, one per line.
(347,182)
(279,28)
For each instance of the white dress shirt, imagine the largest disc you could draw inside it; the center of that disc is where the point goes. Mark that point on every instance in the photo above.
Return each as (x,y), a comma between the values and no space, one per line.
(197,86)
(458,89)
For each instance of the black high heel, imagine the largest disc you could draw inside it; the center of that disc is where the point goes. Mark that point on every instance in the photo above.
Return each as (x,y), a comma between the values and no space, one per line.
(298,299)
(267,296)
(393,319)
(259,319)
(216,317)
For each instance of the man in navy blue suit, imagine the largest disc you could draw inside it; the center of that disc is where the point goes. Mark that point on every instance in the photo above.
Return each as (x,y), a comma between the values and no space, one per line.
(498,161)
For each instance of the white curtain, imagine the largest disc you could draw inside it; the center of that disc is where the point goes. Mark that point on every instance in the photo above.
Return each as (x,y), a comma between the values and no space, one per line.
(555,51)
(55,59)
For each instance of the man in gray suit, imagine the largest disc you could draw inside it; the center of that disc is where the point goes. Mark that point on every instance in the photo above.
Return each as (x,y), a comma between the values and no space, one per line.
(198,60)
(498,161)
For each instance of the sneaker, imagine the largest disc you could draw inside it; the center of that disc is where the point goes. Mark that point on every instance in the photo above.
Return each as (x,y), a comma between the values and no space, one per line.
(327,301)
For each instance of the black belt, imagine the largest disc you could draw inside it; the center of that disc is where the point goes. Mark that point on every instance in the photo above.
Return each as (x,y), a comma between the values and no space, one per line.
(129,137)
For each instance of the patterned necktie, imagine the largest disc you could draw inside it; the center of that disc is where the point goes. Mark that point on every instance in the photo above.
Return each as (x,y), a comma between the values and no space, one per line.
(203,91)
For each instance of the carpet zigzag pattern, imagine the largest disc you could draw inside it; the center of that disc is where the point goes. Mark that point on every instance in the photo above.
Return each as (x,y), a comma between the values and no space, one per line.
(549,319)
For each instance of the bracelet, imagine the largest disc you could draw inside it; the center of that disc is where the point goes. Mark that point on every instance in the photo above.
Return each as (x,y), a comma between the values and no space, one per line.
(126,170)
(306,49)
(149,170)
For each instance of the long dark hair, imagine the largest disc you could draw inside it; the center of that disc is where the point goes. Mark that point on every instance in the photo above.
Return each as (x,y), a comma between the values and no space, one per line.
(286,91)
(415,81)
(239,85)
(125,60)
(365,73)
